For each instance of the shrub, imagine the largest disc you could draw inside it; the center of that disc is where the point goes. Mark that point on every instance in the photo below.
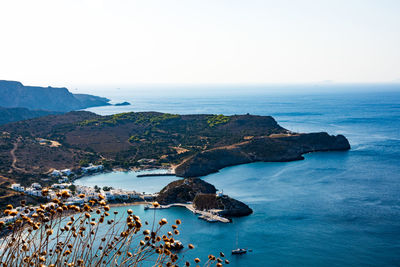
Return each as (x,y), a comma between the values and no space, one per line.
(59,235)
(217,119)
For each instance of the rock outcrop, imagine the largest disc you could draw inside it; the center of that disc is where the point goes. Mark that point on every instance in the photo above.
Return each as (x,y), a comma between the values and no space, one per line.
(203,195)
(183,191)
(229,207)
(268,149)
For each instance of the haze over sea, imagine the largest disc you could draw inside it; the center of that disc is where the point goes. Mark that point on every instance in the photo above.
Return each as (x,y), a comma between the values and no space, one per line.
(331,209)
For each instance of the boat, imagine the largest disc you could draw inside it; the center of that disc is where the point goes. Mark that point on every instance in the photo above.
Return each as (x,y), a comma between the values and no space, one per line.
(239,251)
(177,245)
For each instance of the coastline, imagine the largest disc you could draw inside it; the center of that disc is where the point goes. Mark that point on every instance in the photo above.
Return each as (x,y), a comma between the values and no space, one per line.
(133,169)
(115,205)
(204,215)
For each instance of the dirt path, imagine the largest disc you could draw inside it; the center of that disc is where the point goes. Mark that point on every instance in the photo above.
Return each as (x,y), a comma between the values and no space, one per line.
(14,158)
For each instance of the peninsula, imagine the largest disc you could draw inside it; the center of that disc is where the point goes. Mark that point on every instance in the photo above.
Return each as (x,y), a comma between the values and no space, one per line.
(190,145)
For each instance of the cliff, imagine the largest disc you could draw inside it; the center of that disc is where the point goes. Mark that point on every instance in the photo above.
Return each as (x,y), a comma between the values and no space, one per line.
(229,207)
(272,149)
(183,191)
(15,94)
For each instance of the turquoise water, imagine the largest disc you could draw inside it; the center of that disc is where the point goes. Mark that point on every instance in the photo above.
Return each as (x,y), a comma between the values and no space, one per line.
(331,209)
(128,180)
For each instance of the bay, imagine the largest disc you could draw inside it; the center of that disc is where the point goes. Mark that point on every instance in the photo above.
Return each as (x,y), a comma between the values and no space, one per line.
(331,209)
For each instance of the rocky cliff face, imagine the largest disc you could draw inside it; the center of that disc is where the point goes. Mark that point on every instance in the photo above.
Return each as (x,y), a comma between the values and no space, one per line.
(183,191)
(233,208)
(230,207)
(286,148)
(15,94)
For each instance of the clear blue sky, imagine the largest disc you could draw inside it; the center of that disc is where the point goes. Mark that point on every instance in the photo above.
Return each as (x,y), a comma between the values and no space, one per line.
(120,42)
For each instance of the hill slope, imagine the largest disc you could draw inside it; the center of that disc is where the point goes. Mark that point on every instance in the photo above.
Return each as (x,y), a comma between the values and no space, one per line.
(18,114)
(196,144)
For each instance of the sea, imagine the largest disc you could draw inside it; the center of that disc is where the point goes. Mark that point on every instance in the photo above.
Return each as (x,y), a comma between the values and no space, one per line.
(330,209)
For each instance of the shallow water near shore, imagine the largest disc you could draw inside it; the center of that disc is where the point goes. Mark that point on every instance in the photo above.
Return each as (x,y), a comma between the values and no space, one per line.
(331,209)
(128,180)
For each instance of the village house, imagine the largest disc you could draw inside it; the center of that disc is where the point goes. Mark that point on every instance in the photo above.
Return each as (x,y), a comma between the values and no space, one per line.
(55,173)
(61,186)
(36,186)
(92,168)
(17,187)
(66,172)
(33,191)
(63,180)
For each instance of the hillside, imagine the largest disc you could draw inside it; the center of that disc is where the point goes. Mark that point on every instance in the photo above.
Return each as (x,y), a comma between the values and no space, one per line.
(18,114)
(15,94)
(196,144)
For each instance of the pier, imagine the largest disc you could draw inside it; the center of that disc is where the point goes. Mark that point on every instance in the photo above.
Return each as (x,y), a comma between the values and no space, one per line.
(155,174)
(204,215)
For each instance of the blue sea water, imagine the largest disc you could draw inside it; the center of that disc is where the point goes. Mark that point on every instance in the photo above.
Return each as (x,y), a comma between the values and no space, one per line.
(331,209)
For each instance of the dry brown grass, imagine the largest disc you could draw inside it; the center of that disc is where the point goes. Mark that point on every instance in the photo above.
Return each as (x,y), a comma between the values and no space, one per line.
(60,235)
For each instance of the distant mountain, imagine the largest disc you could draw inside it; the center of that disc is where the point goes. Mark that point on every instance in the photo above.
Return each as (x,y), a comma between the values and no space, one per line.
(14,94)
(18,114)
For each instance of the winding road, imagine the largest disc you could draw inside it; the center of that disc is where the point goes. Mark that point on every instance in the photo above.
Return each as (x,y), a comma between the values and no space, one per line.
(14,158)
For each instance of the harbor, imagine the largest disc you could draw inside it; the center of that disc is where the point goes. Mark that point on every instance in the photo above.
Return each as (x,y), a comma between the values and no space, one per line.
(209,216)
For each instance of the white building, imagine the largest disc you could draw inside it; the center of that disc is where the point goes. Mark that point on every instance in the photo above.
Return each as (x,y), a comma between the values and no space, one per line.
(17,187)
(75,201)
(36,186)
(92,168)
(55,173)
(66,172)
(63,180)
(33,192)
(89,192)
(61,186)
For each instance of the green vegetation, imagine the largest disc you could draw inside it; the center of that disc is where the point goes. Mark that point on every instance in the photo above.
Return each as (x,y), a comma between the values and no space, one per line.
(137,118)
(133,139)
(84,162)
(120,140)
(72,187)
(217,119)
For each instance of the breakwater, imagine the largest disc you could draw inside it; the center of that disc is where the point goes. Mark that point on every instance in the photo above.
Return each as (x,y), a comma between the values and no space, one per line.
(154,174)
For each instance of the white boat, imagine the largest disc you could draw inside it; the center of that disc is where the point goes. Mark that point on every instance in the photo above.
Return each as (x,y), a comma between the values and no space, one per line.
(239,251)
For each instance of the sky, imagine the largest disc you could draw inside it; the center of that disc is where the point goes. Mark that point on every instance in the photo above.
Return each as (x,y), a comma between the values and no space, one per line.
(123,42)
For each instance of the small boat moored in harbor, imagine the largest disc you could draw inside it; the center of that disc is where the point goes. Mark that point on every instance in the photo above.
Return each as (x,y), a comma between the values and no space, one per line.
(239,251)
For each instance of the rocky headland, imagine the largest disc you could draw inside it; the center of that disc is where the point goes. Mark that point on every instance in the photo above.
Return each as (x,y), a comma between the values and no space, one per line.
(204,197)
(268,149)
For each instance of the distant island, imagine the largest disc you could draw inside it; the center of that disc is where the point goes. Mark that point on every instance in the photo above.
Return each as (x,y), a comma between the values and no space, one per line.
(18,102)
(122,104)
